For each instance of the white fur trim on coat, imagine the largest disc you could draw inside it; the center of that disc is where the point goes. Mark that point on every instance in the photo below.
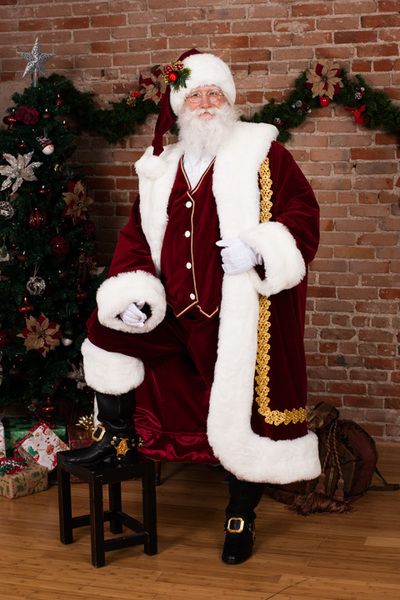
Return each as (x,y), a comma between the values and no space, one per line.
(117,293)
(110,372)
(283,261)
(237,196)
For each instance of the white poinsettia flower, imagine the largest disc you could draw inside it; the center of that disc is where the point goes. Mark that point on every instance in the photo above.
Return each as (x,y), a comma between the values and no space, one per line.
(18,170)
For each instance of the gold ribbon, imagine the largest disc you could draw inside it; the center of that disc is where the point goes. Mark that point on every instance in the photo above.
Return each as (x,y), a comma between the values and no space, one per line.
(272,417)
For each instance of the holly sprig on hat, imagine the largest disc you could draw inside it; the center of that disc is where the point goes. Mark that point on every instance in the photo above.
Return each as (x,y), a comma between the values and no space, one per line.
(175,74)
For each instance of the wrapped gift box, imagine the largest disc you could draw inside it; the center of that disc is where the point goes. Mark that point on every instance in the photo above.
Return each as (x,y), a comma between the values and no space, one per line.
(30,479)
(16,428)
(41,445)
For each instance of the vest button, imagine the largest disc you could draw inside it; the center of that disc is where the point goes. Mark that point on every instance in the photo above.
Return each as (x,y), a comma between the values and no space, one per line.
(192,296)
(188,204)
(188,265)
(187,233)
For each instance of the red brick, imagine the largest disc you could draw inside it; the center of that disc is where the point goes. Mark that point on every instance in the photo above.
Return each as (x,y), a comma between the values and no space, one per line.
(356,37)
(378,50)
(108,21)
(377,21)
(312,9)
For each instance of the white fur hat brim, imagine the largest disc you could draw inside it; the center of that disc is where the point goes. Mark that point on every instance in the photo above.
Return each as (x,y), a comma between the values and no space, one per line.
(205,69)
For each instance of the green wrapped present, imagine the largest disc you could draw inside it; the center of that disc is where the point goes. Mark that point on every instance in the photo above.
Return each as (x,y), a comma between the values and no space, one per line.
(16,428)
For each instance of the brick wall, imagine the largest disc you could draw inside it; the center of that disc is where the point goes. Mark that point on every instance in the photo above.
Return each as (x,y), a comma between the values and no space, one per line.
(353,319)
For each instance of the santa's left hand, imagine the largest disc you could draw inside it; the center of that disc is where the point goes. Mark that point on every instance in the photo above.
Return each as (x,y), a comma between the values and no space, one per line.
(237,257)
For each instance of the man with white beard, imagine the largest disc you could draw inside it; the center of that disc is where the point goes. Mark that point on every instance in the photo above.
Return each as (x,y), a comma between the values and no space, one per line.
(203,310)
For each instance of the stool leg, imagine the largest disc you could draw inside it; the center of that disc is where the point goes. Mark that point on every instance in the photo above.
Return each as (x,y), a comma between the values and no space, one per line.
(64,506)
(115,504)
(97,520)
(150,508)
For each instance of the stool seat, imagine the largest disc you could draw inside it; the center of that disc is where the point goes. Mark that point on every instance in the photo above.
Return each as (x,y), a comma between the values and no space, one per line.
(144,532)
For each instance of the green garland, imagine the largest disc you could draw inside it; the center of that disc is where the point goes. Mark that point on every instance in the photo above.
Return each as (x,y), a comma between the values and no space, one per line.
(371,109)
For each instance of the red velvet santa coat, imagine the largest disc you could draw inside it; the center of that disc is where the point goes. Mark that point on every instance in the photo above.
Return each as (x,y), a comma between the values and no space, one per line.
(246,446)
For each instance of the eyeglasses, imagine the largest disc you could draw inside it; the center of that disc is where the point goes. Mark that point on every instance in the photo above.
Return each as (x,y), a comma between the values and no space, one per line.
(214,96)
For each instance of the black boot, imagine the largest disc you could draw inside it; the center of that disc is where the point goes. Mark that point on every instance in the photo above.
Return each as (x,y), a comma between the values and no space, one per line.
(114,438)
(239,524)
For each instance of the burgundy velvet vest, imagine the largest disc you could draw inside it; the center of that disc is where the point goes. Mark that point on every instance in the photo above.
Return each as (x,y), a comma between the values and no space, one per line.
(190,261)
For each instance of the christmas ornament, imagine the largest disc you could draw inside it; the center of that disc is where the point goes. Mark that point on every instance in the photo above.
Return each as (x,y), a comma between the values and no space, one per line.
(65,124)
(21,257)
(46,114)
(76,200)
(47,408)
(59,100)
(359,93)
(37,219)
(10,119)
(6,209)
(59,246)
(153,84)
(27,115)
(43,190)
(66,340)
(324,101)
(4,338)
(278,122)
(324,79)
(25,307)
(35,59)
(46,145)
(176,74)
(132,98)
(18,169)
(40,334)
(22,146)
(36,285)
(4,253)
(77,375)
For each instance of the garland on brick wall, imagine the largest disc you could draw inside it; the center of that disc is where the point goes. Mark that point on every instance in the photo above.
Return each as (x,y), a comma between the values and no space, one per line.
(324,83)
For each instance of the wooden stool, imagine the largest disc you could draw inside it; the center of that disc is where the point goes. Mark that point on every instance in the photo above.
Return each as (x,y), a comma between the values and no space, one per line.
(145,533)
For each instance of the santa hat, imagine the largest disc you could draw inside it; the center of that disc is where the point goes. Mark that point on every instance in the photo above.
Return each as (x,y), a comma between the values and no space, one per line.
(204,69)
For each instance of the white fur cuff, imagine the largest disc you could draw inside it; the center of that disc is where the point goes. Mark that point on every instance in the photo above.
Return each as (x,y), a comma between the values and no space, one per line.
(283,261)
(110,372)
(116,293)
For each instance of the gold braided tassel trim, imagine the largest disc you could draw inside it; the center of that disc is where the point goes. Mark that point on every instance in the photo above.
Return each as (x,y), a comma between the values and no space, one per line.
(272,417)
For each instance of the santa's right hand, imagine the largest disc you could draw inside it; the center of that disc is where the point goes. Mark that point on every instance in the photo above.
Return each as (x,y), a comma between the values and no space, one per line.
(133,315)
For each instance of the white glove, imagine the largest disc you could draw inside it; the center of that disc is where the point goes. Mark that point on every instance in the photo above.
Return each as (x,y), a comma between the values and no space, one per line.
(237,257)
(133,315)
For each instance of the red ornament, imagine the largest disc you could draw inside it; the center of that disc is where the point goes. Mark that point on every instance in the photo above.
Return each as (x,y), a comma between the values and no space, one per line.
(59,100)
(25,307)
(4,338)
(22,146)
(10,120)
(37,219)
(46,114)
(59,246)
(172,77)
(43,191)
(324,101)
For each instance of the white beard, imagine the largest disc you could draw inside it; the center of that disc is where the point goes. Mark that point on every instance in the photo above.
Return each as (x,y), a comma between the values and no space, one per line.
(205,136)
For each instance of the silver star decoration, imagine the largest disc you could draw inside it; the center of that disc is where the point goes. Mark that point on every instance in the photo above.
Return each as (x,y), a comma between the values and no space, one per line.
(35,59)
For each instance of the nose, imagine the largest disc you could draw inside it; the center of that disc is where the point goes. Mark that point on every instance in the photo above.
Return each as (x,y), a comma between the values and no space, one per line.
(205,101)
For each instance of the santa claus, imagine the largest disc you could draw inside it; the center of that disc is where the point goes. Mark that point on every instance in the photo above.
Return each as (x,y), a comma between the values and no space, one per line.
(203,310)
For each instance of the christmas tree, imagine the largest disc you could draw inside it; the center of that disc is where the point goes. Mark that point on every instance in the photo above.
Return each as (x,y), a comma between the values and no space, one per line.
(48,276)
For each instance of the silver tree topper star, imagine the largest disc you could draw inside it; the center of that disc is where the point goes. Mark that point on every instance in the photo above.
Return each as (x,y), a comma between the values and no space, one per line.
(35,59)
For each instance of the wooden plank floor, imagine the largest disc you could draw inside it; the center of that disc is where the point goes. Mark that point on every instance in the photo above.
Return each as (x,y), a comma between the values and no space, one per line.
(326,557)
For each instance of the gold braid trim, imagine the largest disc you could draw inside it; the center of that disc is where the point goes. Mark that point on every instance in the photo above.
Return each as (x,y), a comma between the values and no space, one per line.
(272,417)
